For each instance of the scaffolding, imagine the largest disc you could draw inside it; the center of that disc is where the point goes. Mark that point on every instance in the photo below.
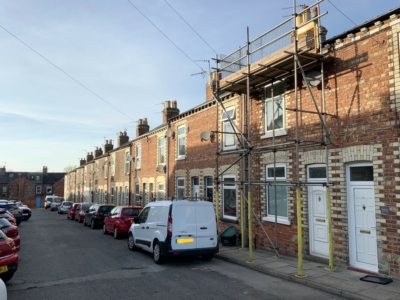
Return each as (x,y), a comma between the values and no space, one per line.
(281,54)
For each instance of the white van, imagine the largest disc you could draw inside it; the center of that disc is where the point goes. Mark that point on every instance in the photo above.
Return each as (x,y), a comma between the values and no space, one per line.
(174,228)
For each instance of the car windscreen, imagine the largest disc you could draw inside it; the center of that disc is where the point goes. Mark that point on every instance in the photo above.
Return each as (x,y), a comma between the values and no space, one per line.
(105,209)
(130,212)
(67,204)
(86,206)
(4,223)
(58,200)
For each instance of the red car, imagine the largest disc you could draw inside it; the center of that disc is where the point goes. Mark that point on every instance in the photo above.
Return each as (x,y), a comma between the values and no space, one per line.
(10,218)
(8,257)
(120,219)
(11,231)
(72,210)
(81,211)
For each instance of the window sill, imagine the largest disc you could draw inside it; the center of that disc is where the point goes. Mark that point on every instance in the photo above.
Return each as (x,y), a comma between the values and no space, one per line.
(229,220)
(279,220)
(227,149)
(180,158)
(278,132)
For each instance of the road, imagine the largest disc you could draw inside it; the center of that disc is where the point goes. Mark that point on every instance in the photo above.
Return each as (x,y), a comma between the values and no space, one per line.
(61,259)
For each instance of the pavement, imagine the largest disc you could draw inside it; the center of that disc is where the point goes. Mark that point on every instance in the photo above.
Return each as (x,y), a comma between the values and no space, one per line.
(341,281)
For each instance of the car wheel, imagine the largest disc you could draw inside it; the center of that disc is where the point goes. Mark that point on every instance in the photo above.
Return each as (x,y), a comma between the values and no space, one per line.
(92,224)
(104,229)
(158,258)
(131,242)
(207,256)
(7,277)
(116,235)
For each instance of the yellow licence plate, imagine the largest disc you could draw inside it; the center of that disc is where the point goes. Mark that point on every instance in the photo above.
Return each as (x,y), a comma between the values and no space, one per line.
(184,240)
(3,269)
(14,212)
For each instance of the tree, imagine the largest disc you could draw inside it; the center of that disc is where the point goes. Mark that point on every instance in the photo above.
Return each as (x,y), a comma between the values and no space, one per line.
(69,168)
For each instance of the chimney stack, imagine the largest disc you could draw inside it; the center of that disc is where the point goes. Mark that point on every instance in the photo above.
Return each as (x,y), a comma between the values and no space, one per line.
(170,110)
(44,170)
(123,138)
(3,170)
(108,146)
(82,162)
(89,156)
(142,127)
(98,152)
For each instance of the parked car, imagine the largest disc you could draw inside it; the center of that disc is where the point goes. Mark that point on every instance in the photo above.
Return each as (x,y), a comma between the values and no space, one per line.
(26,211)
(14,210)
(8,257)
(120,219)
(48,200)
(56,203)
(11,231)
(173,228)
(7,215)
(81,211)
(96,214)
(64,207)
(72,210)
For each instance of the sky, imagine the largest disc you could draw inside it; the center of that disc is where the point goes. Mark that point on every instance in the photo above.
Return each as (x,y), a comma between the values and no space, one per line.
(75,73)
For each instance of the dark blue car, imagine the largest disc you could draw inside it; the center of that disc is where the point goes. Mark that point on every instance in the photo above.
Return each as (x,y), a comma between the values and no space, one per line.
(14,210)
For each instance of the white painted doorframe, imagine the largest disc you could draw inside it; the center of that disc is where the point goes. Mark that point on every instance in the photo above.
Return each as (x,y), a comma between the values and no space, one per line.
(359,226)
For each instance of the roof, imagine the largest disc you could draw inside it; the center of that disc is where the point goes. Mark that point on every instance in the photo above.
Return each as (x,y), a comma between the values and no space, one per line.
(48,178)
(368,23)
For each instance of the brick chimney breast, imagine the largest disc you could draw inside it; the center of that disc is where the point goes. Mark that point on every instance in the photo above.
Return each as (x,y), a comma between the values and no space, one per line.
(142,127)
(82,162)
(122,138)
(89,156)
(44,170)
(108,146)
(170,110)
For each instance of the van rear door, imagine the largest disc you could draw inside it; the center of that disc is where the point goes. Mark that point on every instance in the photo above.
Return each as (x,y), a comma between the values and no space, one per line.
(183,225)
(206,227)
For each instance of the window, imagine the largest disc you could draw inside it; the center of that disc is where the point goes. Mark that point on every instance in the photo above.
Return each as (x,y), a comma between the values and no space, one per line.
(113,165)
(112,195)
(181,142)
(161,151)
(126,196)
(160,194)
(49,189)
(120,196)
(105,196)
(137,193)
(11,175)
(229,197)
(37,177)
(127,163)
(138,156)
(106,169)
(277,195)
(38,189)
(195,187)
(180,188)
(275,110)
(228,136)
(208,188)
(4,189)
(151,190)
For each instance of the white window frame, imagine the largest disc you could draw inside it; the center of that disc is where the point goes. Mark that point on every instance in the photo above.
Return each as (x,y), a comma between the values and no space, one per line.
(127,163)
(113,164)
(161,151)
(228,126)
(270,216)
(228,187)
(138,149)
(276,97)
(160,191)
(38,189)
(181,139)
(208,187)
(180,186)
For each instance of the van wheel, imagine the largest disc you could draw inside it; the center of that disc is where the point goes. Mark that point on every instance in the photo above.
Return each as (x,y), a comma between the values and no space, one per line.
(7,277)
(116,235)
(131,242)
(158,258)
(207,256)
(104,229)
(92,225)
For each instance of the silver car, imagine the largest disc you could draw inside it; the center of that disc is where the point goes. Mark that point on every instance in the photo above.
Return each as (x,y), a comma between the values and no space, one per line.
(64,207)
(56,203)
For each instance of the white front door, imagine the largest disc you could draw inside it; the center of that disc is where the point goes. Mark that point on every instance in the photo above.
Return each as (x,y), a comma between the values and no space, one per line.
(318,211)
(362,220)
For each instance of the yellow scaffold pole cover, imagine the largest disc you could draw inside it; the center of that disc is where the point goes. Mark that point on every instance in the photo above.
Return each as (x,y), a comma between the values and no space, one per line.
(250,209)
(330,233)
(300,273)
